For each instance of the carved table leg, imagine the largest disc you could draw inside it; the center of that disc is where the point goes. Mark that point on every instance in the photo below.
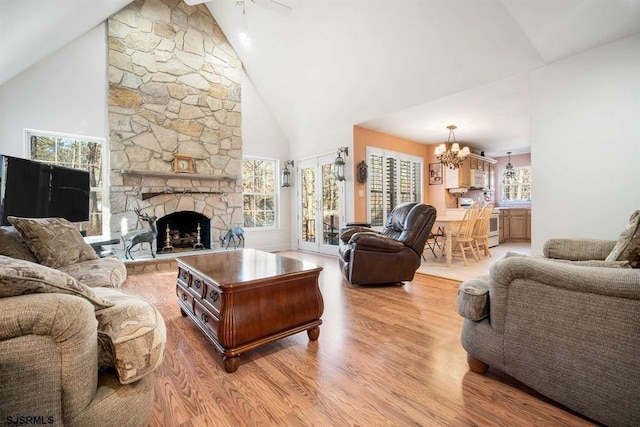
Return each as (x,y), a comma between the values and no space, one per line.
(313,333)
(231,363)
(476,365)
(184,313)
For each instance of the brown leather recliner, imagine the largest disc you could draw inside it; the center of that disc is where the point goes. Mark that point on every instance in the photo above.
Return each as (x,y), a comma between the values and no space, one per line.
(392,255)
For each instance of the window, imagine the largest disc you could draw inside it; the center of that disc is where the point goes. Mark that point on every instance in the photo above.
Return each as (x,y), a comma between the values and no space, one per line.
(259,192)
(518,188)
(394,178)
(77,152)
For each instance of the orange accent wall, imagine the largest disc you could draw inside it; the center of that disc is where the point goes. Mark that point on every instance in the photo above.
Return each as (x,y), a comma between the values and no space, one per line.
(363,138)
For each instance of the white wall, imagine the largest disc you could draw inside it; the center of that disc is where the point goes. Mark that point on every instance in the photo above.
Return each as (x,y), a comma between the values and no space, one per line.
(262,137)
(65,92)
(327,143)
(585,143)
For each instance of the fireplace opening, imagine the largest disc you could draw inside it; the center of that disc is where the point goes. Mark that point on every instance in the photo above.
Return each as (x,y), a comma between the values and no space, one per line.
(183,231)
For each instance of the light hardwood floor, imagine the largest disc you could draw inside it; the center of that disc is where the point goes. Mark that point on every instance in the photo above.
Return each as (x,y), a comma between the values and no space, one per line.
(386,356)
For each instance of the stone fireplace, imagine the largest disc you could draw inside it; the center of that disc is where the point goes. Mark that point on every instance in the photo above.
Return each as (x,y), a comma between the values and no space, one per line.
(174,89)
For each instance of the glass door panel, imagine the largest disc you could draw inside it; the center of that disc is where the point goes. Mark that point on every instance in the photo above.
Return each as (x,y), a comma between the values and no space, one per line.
(330,206)
(320,206)
(308,206)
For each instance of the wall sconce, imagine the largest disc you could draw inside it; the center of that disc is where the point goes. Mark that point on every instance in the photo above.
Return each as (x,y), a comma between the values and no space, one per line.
(339,163)
(286,174)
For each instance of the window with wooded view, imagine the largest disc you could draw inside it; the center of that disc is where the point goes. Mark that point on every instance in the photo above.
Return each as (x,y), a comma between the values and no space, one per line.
(259,192)
(517,188)
(75,152)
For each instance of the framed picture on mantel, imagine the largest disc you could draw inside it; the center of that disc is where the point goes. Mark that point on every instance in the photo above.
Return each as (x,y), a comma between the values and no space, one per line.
(435,173)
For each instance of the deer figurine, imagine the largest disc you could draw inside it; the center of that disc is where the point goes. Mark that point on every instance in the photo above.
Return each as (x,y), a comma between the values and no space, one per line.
(231,235)
(142,236)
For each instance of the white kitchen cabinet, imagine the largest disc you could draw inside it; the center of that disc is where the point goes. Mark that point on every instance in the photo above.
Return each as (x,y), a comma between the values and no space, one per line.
(458,178)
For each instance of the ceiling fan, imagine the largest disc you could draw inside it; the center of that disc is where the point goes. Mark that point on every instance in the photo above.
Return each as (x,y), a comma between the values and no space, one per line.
(272,5)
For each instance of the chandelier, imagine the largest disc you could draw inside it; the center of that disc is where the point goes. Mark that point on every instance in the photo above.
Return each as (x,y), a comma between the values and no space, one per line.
(452,157)
(509,172)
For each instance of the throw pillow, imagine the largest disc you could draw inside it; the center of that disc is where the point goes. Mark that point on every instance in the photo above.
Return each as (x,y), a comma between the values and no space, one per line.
(628,246)
(13,245)
(132,336)
(55,242)
(19,277)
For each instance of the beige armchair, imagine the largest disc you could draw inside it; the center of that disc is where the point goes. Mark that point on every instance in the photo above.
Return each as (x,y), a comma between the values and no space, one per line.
(49,366)
(566,325)
(73,353)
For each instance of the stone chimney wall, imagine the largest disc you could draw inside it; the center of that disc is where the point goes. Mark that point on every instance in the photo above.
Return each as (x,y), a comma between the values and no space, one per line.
(174,88)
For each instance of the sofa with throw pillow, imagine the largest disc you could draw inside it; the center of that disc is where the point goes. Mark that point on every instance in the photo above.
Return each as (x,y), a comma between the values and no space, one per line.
(566,324)
(56,243)
(74,349)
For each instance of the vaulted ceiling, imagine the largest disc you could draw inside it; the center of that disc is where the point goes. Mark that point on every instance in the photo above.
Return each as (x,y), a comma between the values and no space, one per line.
(408,68)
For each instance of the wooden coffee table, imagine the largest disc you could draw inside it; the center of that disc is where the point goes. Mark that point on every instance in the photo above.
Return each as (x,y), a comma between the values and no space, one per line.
(243,299)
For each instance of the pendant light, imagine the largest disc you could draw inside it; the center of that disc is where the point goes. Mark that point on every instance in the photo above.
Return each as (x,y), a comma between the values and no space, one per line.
(509,172)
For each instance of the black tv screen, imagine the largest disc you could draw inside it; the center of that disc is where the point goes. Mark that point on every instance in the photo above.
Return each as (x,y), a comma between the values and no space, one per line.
(33,189)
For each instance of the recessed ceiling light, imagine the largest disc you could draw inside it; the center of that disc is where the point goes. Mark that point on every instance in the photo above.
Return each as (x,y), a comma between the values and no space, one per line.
(244,38)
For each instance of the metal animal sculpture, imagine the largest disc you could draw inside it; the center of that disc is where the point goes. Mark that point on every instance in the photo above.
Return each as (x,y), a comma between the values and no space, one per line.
(142,236)
(232,234)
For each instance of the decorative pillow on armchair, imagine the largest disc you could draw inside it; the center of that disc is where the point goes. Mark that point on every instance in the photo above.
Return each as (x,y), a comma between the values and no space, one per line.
(19,277)
(55,242)
(132,335)
(628,246)
(13,245)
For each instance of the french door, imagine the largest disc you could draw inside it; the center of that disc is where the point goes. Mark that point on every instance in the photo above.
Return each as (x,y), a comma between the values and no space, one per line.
(320,211)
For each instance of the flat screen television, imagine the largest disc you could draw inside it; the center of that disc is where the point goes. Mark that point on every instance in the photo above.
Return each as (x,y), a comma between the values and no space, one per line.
(33,189)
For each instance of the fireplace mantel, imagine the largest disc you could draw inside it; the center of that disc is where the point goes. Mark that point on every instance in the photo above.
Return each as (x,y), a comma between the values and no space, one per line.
(172,175)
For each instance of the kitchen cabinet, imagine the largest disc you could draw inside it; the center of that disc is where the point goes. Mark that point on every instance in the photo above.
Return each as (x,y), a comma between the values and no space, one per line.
(516,224)
(473,163)
(492,177)
(458,178)
(517,227)
(463,176)
(479,163)
(504,225)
